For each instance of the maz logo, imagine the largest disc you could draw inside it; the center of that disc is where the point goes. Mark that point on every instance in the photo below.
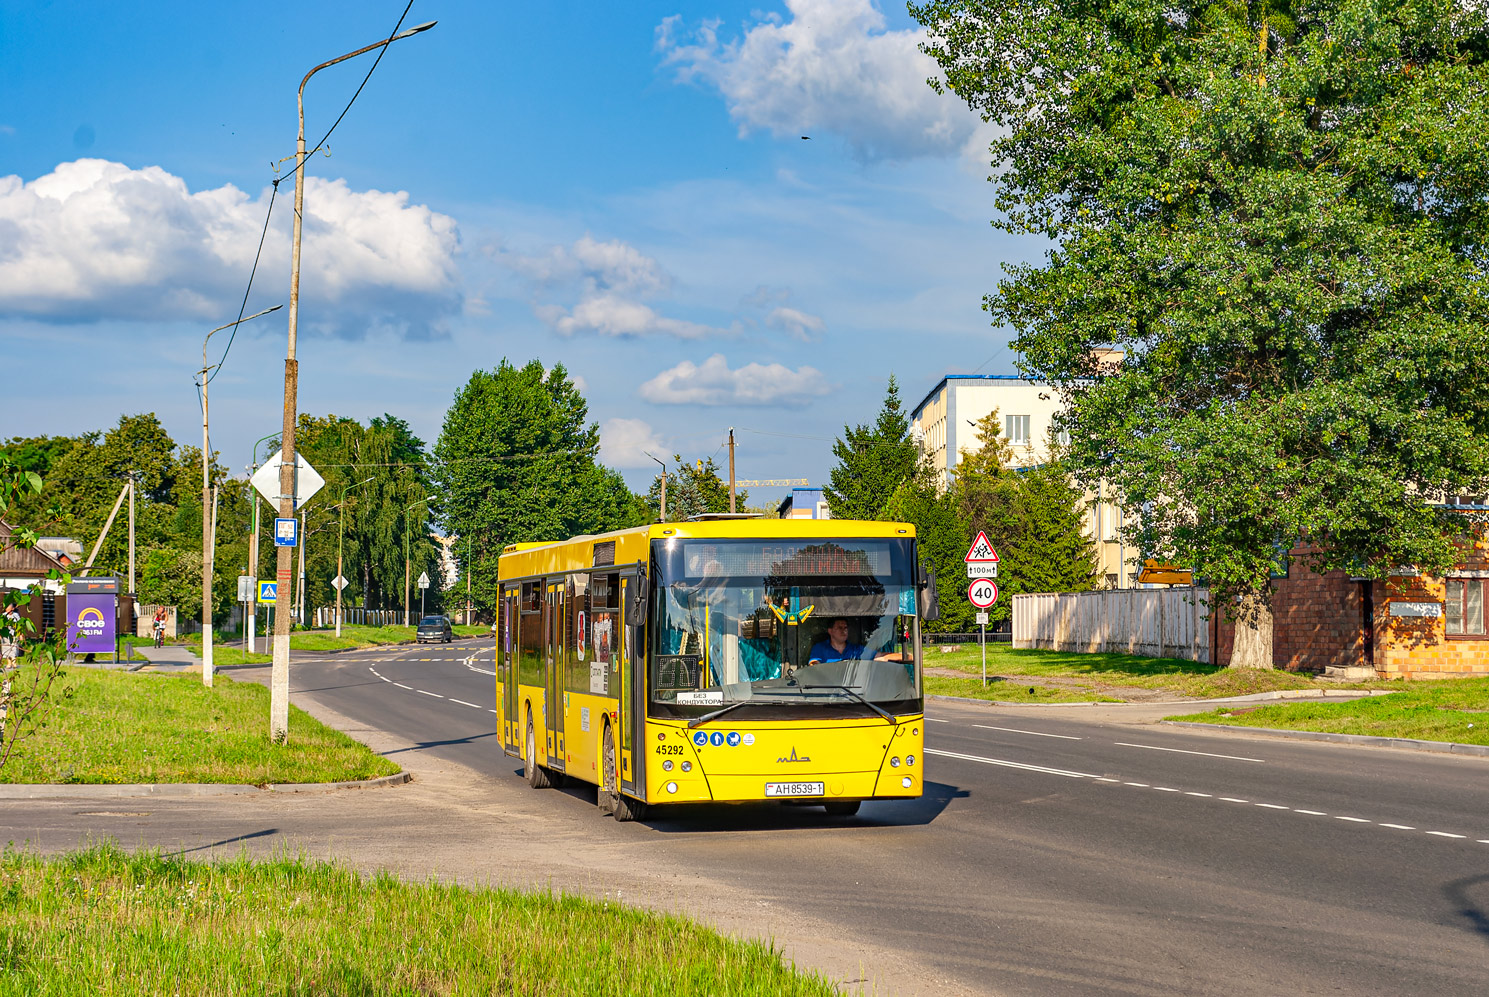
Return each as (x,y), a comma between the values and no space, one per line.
(793,758)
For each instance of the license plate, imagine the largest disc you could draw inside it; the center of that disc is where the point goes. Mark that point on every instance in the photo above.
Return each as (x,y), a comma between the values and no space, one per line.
(793,789)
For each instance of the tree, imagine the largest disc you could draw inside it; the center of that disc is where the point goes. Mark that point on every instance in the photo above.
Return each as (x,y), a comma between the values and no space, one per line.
(942,540)
(30,661)
(515,462)
(1276,211)
(873,462)
(692,489)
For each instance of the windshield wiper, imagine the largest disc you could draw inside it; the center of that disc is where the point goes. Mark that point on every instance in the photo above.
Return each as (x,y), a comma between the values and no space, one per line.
(700,721)
(858,696)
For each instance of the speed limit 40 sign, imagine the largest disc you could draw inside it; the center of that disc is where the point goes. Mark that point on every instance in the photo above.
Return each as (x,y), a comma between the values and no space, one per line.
(982,593)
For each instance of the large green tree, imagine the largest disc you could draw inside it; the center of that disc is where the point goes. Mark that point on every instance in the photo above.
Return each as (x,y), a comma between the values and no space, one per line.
(1277,211)
(873,461)
(516,462)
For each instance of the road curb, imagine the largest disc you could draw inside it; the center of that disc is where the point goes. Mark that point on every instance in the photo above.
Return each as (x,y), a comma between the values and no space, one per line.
(187,790)
(1403,743)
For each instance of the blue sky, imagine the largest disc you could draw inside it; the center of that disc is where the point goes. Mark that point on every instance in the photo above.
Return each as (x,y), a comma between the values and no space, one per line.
(622,188)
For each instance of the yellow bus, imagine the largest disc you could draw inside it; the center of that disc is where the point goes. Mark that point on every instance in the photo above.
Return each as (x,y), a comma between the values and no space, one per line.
(718,660)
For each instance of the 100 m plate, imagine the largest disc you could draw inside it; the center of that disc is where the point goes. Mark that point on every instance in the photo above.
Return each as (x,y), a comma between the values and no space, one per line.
(773,789)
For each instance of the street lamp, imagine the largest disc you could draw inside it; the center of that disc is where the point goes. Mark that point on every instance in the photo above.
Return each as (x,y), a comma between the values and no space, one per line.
(279,682)
(407,561)
(664,487)
(340,535)
(208,533)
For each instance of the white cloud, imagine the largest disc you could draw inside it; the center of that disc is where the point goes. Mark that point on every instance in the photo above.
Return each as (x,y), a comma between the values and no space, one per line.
(798,323)
(830,67)
(95,240)
(624,442)
(713,383)
(610,279)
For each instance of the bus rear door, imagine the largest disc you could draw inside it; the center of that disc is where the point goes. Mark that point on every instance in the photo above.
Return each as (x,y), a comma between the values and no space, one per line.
(554,679)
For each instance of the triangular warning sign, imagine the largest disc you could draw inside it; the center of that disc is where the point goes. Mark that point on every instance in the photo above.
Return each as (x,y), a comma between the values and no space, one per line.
(981,550)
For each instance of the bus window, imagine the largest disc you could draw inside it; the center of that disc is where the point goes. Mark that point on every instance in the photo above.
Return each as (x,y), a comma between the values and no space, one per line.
(530,636)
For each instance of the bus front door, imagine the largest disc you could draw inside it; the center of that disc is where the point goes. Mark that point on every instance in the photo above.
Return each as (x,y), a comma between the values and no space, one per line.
(510,650)
(554,679)
(633,697)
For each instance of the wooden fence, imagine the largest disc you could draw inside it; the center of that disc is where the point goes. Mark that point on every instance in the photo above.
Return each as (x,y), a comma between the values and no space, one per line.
(1160,623)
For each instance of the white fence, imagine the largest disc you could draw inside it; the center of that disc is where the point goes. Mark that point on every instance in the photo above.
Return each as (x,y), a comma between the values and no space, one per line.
(1159,623)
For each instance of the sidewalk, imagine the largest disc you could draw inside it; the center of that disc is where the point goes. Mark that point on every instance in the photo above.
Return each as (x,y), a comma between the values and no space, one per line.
(167,658)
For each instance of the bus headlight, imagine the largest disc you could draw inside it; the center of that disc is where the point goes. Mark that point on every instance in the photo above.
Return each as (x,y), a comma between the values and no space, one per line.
(671,787)
(909,759)
(687,766)
(907,782)
(667,765)
(894,762)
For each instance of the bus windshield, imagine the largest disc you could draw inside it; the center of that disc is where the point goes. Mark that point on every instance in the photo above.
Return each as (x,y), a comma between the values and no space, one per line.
(797,625)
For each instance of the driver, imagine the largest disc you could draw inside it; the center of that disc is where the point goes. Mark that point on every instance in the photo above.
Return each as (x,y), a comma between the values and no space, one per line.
(836,647)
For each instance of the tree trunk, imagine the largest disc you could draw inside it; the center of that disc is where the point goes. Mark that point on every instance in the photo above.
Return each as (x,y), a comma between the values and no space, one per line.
(1253,641)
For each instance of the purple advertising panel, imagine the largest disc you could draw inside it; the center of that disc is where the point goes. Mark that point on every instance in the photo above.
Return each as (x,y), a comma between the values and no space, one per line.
(90,623)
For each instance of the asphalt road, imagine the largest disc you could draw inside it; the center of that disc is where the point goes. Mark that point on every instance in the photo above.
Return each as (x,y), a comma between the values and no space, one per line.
(1069,850)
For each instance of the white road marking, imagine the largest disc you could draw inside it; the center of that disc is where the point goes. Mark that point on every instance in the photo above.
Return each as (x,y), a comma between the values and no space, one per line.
(1139,785)
(490,711)
(1310,813)
(1011,765)
(933,720)
(1357,820)
(1196,794)
(1015,730)
(1484,841)
(1272,806)
(1105,779)
(1232,799)
(1165,789)
(464,703)
(1182,751)
(1399,827)
(1445,834)
(434,694)
(402,686)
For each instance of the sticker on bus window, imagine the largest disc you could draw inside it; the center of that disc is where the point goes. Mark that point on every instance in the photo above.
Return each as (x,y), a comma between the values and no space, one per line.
(708,697)
(579,634)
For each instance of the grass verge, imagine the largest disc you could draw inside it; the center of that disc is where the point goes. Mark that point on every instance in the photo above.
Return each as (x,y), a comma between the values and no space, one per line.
(1007,691)
(1108,673)
(103,922)
(1455,710)
(118,727)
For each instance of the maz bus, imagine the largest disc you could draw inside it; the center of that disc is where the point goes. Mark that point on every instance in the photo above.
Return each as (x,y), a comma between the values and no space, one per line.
(717,660)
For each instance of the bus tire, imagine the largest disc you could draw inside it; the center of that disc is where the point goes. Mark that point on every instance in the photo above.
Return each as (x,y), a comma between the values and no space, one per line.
(614,802)
(842,808)
(537,775)
(605,798)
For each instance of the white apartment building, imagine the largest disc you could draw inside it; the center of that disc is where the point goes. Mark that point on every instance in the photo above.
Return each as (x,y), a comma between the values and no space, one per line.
(945,423)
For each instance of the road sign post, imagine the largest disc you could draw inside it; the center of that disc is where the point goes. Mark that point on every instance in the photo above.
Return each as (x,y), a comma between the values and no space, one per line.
(423,584)
(982,593)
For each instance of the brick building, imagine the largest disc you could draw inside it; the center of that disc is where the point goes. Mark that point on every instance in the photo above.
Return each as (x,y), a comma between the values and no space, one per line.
(1408,625)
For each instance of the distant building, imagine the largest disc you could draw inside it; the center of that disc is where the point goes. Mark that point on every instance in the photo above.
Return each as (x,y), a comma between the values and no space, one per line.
(945,424)
(804,503)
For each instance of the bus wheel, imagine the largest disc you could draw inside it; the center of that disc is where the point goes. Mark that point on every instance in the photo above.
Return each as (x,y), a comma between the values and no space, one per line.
(842,808)
(613,801)
(537,775)
(606,796)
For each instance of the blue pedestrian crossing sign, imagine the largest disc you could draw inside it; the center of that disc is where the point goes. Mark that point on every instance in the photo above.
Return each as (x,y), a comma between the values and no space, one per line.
(268,592)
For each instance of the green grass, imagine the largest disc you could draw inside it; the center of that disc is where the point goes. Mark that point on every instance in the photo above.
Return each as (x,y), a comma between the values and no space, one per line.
(1010,691)
(105,923)
(1110,673)
(118,727)
(1445,710)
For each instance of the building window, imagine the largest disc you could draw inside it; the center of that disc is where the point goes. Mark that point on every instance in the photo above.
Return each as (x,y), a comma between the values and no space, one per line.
(1465,607)
(1016,428)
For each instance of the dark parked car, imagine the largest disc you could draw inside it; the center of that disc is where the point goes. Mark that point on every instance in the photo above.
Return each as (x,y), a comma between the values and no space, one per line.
(434,628)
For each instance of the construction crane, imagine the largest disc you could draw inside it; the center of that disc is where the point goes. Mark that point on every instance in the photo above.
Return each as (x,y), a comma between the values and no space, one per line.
(773,483)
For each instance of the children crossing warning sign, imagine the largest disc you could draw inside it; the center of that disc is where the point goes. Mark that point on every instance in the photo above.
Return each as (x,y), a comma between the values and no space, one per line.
(982,559)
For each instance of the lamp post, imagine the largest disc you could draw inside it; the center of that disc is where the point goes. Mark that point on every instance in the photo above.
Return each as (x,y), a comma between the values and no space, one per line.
(664,487)
(407,598)
(279,681)
(207,518)
(340,536)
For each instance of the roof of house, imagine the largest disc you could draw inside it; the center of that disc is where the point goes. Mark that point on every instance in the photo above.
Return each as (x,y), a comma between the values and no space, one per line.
(968,377)
(23,562)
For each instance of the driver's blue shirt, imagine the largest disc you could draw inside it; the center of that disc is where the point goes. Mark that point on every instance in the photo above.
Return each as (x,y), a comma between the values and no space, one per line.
(823,651)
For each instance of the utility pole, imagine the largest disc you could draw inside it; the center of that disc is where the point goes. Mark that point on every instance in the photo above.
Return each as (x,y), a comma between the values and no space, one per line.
(279,681)
(663,509)
(206,527)
(731,469)
(131,537)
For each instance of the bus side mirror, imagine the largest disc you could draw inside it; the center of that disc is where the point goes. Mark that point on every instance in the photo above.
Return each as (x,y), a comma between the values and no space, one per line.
(930,596)
(637,603)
